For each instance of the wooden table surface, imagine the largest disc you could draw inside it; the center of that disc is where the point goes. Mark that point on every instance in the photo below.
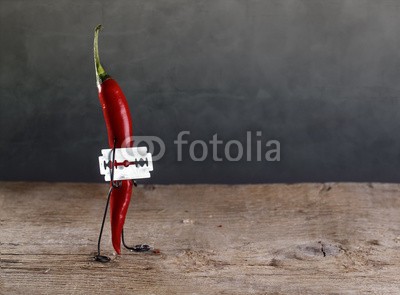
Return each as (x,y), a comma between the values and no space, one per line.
(213,239)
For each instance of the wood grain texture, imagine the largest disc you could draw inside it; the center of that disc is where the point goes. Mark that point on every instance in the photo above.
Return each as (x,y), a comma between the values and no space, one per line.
(213,239)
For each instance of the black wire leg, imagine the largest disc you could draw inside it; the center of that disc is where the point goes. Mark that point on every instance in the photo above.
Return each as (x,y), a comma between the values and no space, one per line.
(136,248)
(98,257)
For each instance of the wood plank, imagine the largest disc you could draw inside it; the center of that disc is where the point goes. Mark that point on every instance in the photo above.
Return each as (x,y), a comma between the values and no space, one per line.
(331,238)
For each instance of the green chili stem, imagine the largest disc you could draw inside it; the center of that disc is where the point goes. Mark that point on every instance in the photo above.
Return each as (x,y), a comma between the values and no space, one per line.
(101,74)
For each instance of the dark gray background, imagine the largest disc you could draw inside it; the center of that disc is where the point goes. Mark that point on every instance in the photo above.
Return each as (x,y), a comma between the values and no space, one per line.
(320,76)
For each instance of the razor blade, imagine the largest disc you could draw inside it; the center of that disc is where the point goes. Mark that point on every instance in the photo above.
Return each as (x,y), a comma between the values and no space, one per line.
(129,163)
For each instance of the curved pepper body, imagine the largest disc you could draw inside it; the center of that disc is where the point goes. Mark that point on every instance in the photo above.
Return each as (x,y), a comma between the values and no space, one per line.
(119,128)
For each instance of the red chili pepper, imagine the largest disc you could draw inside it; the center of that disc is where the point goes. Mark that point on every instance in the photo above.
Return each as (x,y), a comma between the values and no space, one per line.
(119,128)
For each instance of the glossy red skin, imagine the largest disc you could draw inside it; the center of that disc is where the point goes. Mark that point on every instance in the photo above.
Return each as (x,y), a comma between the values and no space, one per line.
(119,128)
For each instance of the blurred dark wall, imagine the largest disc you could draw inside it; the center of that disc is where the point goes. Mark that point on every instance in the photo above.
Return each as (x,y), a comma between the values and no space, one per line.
(322,77)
